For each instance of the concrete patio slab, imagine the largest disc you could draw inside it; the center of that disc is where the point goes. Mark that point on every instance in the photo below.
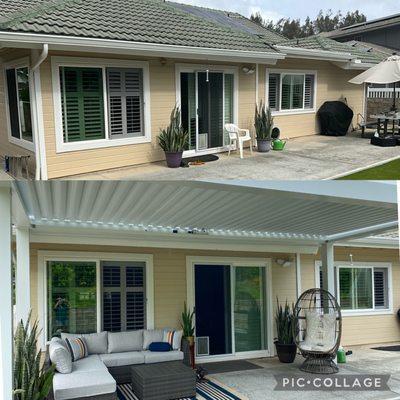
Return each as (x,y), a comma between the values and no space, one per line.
(259,384)
(308,157)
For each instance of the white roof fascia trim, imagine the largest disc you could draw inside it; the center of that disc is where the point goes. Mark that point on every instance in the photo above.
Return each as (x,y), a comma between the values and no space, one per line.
(363,232)
(371,243)
(171,241)
(317,54)
(56,42)
(352,65)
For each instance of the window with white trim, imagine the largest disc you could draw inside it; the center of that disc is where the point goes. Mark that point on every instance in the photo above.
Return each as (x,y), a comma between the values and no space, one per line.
(290,91)
(101,103)
(361,287)
(19,103)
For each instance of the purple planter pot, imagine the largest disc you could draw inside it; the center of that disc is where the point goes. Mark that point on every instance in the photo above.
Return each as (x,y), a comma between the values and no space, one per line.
(173,159)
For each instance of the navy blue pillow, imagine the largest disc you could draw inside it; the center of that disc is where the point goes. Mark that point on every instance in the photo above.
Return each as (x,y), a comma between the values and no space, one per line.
(160,346)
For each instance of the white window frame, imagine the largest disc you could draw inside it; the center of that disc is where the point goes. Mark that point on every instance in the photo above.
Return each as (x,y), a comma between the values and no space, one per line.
(283,72)
(45,256)
(16,64)
(57,62)
(372,265)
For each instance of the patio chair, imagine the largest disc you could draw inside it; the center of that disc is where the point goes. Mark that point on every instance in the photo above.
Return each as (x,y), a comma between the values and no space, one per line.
(318,330)
(237,137)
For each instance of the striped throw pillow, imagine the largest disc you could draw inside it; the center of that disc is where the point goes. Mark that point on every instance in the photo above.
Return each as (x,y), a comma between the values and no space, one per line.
(174,338)
(77,348)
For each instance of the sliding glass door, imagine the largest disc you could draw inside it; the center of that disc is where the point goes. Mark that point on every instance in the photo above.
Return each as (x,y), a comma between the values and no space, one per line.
(207,104)
(231,309)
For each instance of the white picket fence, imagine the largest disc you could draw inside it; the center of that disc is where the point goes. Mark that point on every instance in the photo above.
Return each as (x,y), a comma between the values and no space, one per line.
(382,93)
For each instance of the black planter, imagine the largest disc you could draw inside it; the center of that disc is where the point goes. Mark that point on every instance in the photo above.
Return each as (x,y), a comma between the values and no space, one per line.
(263,145)
(286,352)
(388,141)
(173,159)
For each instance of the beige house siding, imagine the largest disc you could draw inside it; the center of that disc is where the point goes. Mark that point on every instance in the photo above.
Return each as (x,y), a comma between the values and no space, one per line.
(363,329)
(6,147)
(332,85)
(170,284)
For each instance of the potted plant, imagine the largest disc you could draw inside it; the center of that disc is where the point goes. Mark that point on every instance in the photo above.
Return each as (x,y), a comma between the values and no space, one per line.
(31,380)
(173,139)
(284,343)
(187,324)
(263,123)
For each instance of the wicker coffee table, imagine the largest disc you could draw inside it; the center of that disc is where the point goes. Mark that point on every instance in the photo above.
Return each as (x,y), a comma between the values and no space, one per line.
(163,381)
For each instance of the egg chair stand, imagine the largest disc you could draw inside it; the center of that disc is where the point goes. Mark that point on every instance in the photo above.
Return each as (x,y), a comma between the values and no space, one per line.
(318,330)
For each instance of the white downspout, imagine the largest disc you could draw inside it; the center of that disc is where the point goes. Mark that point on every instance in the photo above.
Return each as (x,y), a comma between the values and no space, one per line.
(39,146)
(257,99)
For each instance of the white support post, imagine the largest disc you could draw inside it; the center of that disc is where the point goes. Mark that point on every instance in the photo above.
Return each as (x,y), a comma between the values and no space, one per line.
(298,276)
(6,311)
(328,271)
(22,275)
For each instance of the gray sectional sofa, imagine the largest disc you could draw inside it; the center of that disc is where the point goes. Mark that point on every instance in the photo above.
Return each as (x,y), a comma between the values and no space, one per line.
(110,357)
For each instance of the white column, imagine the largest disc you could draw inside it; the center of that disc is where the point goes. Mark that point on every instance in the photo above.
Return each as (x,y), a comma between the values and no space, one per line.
(6,313)
(328,271)
(22,275)
(298,275)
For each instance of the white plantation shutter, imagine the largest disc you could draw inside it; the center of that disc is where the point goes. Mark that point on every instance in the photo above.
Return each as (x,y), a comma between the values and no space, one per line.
(124,300)
(309,91)
(273,91)
(125,102)
(381,288)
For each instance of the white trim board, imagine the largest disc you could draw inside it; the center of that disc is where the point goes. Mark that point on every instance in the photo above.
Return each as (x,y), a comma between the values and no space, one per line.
(266,263)
(97,257)
(360,264)
(101,63)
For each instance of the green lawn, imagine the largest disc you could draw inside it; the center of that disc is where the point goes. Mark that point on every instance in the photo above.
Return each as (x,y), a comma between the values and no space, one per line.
(388,171)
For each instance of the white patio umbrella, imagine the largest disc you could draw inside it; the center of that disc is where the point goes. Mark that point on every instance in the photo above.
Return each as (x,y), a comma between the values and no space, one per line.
(387,71)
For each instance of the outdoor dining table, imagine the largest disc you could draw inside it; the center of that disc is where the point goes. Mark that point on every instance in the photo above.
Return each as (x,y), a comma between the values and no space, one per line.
(385,119)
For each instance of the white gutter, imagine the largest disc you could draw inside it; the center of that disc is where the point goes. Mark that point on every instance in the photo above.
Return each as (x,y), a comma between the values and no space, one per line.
(56,42)
(40,150)
(327,55)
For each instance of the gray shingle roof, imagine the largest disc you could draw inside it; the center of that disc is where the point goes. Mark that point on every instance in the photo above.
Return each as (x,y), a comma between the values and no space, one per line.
(150,21)
(318,42)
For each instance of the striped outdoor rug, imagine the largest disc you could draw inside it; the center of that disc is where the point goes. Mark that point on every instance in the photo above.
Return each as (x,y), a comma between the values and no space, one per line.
(206,390)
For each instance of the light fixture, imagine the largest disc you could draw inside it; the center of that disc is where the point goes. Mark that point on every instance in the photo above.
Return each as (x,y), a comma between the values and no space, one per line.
(351,258)
(248,70)
(207,76)
(285,263)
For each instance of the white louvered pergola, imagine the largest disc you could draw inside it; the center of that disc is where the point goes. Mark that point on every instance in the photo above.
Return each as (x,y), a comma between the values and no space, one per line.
(298,217)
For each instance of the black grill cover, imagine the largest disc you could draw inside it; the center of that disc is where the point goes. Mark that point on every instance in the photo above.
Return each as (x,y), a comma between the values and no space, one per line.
(335,118)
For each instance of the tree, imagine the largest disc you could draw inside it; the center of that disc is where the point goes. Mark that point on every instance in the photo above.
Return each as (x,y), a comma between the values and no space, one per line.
(324,22)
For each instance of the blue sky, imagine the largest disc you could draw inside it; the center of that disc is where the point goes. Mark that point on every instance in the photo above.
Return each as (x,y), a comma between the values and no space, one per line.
(301,8)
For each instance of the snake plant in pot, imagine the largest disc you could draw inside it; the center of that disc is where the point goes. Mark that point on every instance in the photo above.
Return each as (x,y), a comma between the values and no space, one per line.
(263,123)
(187,324)
(173,139)
(284,342)
(32,381)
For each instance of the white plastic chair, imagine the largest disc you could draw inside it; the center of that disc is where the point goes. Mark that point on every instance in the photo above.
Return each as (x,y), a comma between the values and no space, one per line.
(237,137)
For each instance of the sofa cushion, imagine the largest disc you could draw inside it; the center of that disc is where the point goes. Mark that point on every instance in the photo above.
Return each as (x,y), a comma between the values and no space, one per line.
(83,384)
(174,338)
(97,343)
(119,342)
(77,348)
(122,359)
(92,363)
(151,357)
(60,356)
(150,336)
